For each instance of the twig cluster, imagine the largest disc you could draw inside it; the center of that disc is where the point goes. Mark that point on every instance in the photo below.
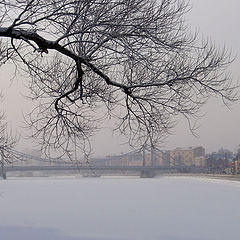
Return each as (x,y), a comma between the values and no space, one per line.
(132,60)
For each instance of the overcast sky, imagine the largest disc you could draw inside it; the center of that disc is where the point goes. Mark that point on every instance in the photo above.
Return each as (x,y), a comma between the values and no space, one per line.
(220,127)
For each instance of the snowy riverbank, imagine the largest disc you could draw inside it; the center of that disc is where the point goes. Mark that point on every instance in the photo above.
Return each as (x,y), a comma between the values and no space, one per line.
(171,208)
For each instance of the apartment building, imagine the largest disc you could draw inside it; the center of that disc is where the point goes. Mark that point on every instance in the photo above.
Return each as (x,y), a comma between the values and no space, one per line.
(193,156)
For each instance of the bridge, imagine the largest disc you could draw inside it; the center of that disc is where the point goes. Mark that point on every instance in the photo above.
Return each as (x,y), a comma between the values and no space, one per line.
(145,171)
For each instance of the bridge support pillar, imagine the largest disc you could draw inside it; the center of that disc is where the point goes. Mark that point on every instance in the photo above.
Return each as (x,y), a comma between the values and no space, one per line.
(3,172)
(147,174)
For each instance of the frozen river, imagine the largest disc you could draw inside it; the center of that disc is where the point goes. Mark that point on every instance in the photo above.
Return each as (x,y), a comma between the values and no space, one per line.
(168,208)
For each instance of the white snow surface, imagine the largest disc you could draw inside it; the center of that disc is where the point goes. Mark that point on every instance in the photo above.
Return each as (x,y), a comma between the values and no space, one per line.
(168,208)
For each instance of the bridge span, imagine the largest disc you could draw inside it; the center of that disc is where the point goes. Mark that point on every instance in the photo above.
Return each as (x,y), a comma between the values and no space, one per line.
(143,168)
(144,171)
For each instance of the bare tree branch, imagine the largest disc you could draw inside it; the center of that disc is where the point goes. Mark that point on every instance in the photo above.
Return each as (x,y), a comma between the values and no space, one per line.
(133,60)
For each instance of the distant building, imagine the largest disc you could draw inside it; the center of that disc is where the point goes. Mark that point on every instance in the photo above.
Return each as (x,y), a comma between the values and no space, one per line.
(223,160)
(135,159)
(188,157)
(117,161)
(154,157)
(199,158)
(237,161)
(110,161)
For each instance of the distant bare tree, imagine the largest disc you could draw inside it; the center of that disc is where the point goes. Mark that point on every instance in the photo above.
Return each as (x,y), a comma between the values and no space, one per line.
(8,140)
(132,60)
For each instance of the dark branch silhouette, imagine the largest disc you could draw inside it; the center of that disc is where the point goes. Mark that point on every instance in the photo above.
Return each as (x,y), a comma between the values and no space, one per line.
(132,60)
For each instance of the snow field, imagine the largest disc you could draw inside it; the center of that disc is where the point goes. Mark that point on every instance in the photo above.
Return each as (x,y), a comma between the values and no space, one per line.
(171,208)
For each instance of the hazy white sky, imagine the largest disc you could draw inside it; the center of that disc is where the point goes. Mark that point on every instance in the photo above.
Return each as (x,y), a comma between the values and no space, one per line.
(219,128)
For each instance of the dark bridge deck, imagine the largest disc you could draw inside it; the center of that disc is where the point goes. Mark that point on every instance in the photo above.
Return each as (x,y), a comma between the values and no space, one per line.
(74,167)
(144,171)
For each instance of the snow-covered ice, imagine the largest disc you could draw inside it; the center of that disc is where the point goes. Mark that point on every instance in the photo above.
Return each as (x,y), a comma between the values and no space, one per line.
(168,208)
